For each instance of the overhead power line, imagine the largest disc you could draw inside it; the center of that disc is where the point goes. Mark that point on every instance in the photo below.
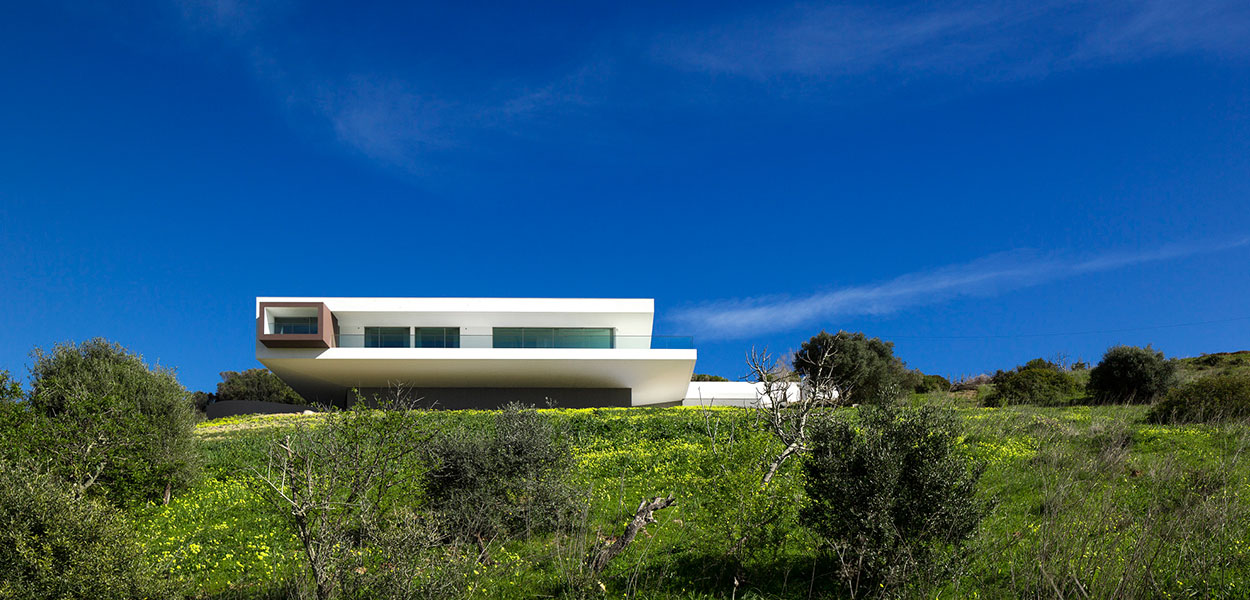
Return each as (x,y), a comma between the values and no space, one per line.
(1059,334)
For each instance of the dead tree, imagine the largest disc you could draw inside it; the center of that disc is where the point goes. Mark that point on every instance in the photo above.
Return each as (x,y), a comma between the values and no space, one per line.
(784,405)
(785,402)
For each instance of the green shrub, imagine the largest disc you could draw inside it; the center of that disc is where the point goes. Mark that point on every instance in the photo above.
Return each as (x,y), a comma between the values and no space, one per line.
(706,377)
(1132,375)
(933,383)
(1209,399)
(405,557)
(11,412)
(515,477)
(891,494)
(108,424)
(338,481)
(55,544)
(1040,363)
(256,385)
(864,369)
(201,400)
(10,390)
(1038,381)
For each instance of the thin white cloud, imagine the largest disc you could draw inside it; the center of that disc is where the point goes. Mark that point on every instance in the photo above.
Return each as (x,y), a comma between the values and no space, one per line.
(986,276)
(1162,27)
(396,119)
(403,118)
(988,41)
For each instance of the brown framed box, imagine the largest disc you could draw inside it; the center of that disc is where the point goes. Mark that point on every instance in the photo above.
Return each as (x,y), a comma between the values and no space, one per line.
(327,326)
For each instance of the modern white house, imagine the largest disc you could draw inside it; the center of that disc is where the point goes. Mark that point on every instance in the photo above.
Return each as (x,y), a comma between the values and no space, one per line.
(475,352)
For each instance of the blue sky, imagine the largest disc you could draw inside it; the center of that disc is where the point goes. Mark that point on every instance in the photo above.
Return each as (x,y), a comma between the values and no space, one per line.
(983,183)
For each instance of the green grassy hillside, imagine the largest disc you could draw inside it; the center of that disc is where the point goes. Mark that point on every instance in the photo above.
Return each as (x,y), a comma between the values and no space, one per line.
(1088,502)
(1219,363)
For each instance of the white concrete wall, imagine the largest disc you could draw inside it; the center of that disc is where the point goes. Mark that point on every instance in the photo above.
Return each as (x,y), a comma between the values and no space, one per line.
(731,393)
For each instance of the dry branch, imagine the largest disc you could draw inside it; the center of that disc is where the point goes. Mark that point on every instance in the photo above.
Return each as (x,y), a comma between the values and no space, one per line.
(645,514)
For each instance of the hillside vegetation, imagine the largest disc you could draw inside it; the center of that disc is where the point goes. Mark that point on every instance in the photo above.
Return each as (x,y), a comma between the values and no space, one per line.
(1127,479)
(1085,501)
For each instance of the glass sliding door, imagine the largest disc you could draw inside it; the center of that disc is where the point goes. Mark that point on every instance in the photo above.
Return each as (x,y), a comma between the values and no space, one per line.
(386,337)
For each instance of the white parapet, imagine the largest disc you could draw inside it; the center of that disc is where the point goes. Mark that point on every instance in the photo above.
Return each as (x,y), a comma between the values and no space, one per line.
(733,393)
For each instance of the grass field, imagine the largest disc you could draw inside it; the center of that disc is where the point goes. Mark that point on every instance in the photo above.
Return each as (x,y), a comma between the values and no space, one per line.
(1088,502)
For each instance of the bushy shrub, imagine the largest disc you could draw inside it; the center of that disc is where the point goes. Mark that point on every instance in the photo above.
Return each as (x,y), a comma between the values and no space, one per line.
(405,557)
(1041,363)
(864,369)
(10,390)
(201,400)
(933,383)
(891,494)
(340,482)
(256,385)
(1038,382)
(108,424)
(1204,400)
(1130,374)
(55,544)
(11,413)
(706,377)
(514,477)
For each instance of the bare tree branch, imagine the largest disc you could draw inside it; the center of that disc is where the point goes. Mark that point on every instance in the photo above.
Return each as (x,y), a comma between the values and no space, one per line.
(599,559)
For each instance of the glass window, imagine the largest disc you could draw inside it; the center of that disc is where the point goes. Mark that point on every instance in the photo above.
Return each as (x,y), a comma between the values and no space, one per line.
(437,337)
(293,325)
(538,337)
(553,337)
(386,337)
(584,337)
(506,337)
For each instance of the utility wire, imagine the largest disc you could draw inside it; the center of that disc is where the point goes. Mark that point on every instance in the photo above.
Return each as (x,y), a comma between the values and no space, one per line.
(1058,334)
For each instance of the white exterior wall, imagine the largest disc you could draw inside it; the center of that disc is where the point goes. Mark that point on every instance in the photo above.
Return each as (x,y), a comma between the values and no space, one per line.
(732,393)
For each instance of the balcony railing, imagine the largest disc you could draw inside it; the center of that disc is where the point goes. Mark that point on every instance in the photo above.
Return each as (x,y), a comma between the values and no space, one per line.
(628,342)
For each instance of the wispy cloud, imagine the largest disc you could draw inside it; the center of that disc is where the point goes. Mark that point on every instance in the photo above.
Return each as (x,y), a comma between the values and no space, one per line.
(995,41)
(986,276)
(405,116)
(395,117)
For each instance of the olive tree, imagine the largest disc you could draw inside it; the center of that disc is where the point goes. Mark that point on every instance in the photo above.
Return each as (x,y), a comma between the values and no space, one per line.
(259,385)
(109,424)
(891,493)
(1131,374)
(866,370)
(56,544)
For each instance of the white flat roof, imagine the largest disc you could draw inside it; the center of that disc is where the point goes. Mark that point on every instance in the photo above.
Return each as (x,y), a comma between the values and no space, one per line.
(543,305)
